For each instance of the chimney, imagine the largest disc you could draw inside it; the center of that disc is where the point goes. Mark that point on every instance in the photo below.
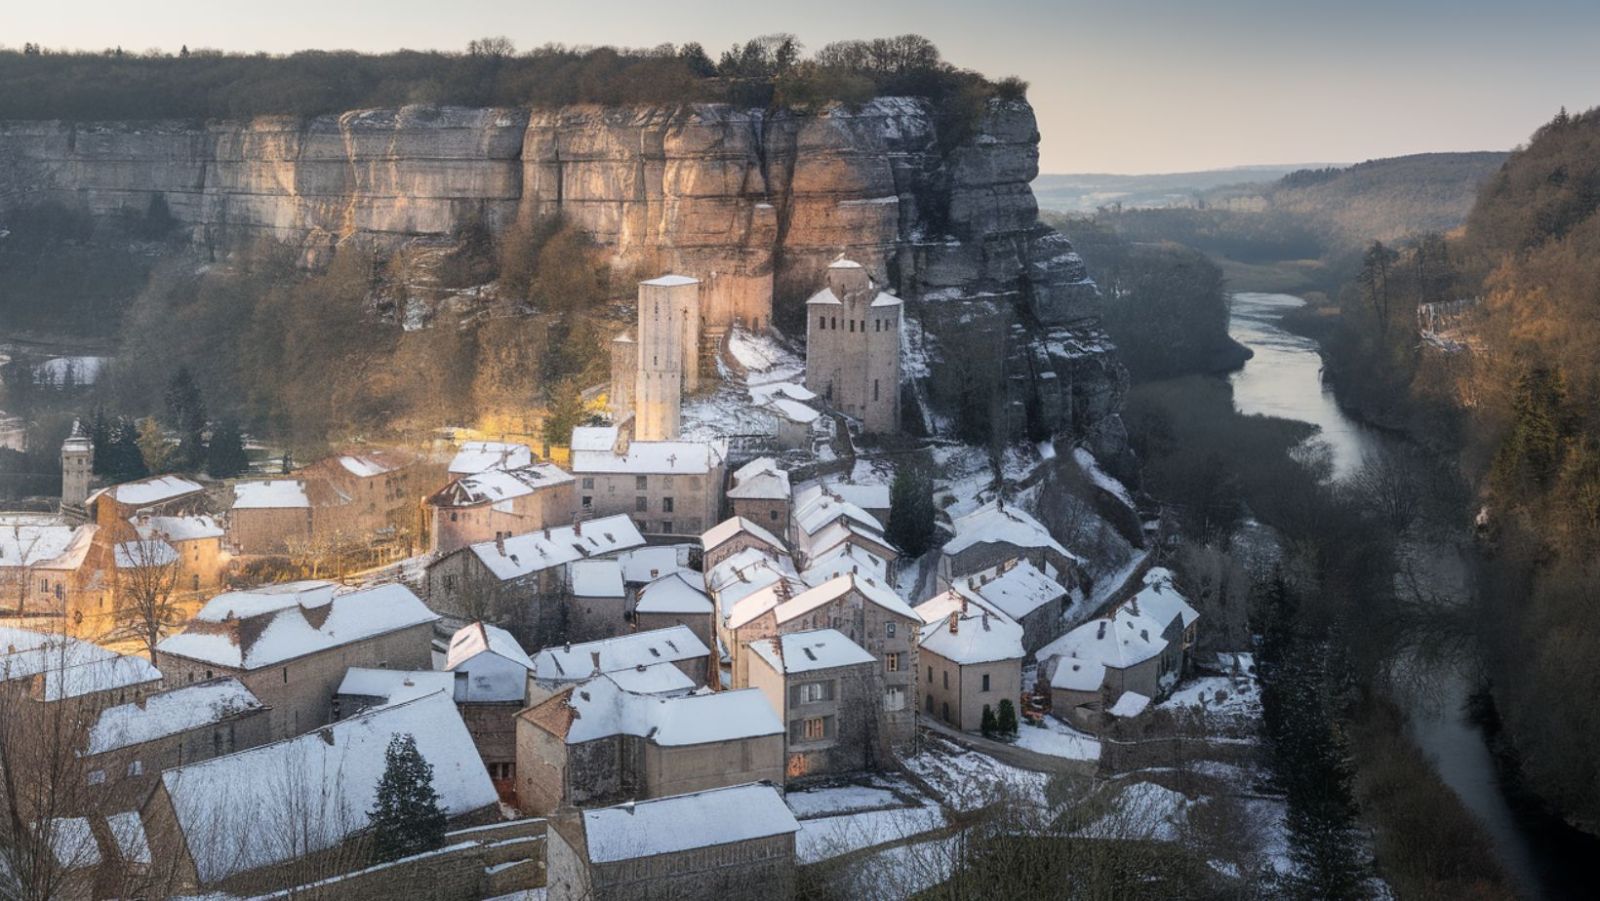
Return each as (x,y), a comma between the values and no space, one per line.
(500,544)
(577,527)
(1102,633)
(955,623)
(595,656)
(547,533)
(985,620)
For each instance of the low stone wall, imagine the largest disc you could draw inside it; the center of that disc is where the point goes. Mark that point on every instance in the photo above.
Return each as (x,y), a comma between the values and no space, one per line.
(1173,752)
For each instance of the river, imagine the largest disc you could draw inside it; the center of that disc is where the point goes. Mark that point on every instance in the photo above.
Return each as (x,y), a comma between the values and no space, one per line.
(1284,379)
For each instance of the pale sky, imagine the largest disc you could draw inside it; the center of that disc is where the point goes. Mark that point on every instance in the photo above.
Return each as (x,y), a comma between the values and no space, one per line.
(1131,86)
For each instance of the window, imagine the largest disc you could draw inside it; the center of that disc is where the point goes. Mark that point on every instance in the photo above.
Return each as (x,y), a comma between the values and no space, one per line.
(588,483)
(815,728)
(891,662)
(666,525)
(930,675)
(666,505)
(874,389)
(449,582)
(641,504)
(888,630)
(894,698)
(452,516)
(641,482)
(852,326)
(985,681)
(812,692)
(945,677)
(286,675)
(822,322)
(136,768)
(835,322)
(772,515)
(588,502)
(927,704)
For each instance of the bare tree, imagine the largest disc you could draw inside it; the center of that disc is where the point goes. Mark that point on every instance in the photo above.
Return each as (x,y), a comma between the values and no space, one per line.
(147,572)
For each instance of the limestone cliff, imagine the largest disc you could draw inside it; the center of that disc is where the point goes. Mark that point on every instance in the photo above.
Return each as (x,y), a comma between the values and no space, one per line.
(754,201)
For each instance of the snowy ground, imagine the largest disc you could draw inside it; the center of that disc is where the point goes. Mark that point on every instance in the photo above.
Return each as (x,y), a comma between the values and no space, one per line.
(822,802)
(967,780)
(1057,739)
(826,837)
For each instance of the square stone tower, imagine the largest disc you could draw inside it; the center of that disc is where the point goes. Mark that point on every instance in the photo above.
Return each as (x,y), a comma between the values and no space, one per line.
(624,373)
(853,347)
(669,353)
(77,469)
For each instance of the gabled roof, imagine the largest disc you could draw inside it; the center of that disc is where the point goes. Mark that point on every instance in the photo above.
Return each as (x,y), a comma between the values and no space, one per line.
(979,638)
(675,593)
(233,811)
(845,557)
(1002,524)
(655,679)
(669,825)
(29,541)
(479,638)
(576,662)
(804,652)
(1123,640)
(1017,591)
(592,448)
(760,479)
(494,486)
(154,490)
(71,667)
(265,627)
(480,456)
(144,552)
(670,281)
(521,555)
(836,588)
(596,579)
(1160,600)
(171,712)
(647,564)
(816,506)
(732,527)
(395,686)
(178,528)
(747,572)
(600,708)
(270,494)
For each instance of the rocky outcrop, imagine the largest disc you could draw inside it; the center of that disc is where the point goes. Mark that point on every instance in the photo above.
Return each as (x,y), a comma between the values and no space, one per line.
(752,200)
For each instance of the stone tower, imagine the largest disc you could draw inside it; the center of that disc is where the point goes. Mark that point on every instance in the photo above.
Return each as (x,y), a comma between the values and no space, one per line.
(624,372)
(77,468)
(853,347)
(669,353)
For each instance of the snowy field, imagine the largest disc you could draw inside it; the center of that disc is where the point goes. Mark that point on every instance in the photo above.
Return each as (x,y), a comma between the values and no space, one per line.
(1057,739)
(826,837)
(967,780)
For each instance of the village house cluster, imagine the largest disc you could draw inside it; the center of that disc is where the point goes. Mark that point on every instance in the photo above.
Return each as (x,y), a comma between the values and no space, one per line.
(641,649)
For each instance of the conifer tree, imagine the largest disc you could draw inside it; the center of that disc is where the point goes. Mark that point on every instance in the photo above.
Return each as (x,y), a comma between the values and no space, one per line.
(124,461)
(406,818)
(1007,721)
(225,455)
(911,511)
(186,412)
(990,726)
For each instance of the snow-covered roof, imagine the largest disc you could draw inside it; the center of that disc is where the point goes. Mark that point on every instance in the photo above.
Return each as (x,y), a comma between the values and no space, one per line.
(847,531)
(750,571)
(1160,600)
(676,593)
(71,842)
(1130,704)
(765,393)
(1017,591)
(1077,674)
(592,453)
(35,543)
(596,579)
(940,606)
(532,552)
(493,486)
(760,479)
(817,506)
(600,708)
(1123,640)
(127,830)
(885,299)
(647,564)
(178,528)
(979,638)
(269,494)
(671,281)
(809,600)
(71,667)
(803,652)
(793,410)
(153,490)
(235,811)
(250,630)
(481,456)
(845,557)
(144,552)
(733,526)
(395,686)
(479,638)
(843,263)
(1001,524)
(571,663)
(865,496)
(655,679)
(171,712)
(705,819)
(825,297)
(365,466)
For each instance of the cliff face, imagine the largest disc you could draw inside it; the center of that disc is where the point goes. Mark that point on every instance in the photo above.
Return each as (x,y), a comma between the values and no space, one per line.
(754,201)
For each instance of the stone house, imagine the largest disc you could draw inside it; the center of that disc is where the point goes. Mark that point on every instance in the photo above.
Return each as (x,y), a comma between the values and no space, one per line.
(378,489)
(867,612)
(167,495)
(816,508)
(129,745)
(289,812)
(828,692)
(365,687)
(853,347)
(759,491)
(596,743)
(491,672)
(290,644)
(643,662)
(598,607)
(998,532)
(1091,667)
(735,843)
(50,568)
(844,547)
(668,487)
(677,599)
(499,503)
(198,542)
(748,572)
(521,582)
(733,535)
(52,667)
(1027,596)
(269,515)
(1161,601)
(970,660)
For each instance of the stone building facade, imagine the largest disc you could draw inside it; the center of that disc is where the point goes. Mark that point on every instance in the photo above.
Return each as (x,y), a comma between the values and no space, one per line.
(667,487)
(499,503)
(829,693)
(669,353)
(853,347)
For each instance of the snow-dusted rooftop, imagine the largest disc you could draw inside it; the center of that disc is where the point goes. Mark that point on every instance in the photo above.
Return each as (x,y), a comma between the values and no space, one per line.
(670,281)
(571,663)
(170,712)
(480,456)
(845,557)
(71,667)
(747,572)
(154,490)
(760,479)
(733,526)
(493,486)
(395,686)
(816,506)
(600,708)
(38,543)
(803,652)
(596,579)
(249,630)
(1016,592)
(1123,640)
(270,494)
(178,528)
(979,637)
(679,592)
(521,555)
(655,679)
(1001,524)
(365,466)
(1160,600)
(152,552)
(478,638)
(685,822)
(592,448)
(1130,704)
(234,811)
(788,609)
(647,564)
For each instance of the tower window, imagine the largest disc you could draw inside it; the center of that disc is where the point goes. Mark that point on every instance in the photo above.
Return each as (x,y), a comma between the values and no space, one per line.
(835,321)
(822,322)
(874,389)
(852,326)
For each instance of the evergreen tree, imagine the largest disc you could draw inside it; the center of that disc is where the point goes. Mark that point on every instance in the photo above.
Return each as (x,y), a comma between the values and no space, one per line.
(124,462)
(100,435)
(990,726)
(406,818)
(565,413)
(911,511)
(186,413)
(225,456)
(1006,725)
